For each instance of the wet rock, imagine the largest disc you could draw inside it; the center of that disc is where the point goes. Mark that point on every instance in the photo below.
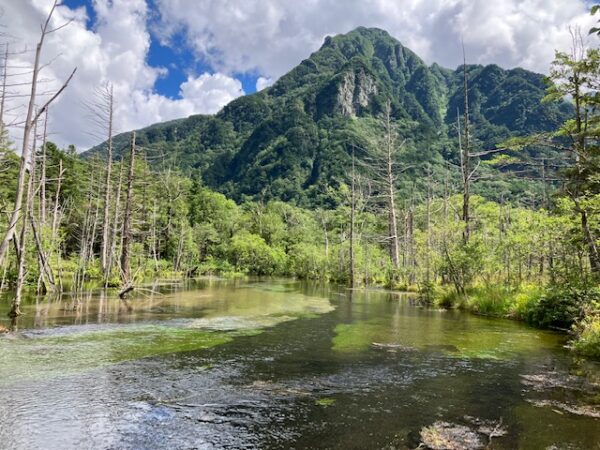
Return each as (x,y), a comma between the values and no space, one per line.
(449,436)
(557,380)
(208,417)
(560,407)
(490,428)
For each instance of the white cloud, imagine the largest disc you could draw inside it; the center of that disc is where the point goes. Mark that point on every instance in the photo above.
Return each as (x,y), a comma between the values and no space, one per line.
(271,37)
(266,38)
(211,91)
(263,82)
(115,51)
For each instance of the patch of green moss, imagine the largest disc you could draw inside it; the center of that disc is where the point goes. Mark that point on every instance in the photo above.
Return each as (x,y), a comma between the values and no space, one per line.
(356,336)
(83,351)
(484,338)
(325,402)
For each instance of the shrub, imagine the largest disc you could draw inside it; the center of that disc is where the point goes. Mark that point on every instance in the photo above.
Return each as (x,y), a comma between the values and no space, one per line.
(492,300)
(587,342)
(251,254)
(561,307)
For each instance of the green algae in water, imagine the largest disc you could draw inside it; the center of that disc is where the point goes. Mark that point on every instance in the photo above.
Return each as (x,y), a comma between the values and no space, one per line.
(188,321)
(325,402)
(357,336)
(59,355)
(478,338)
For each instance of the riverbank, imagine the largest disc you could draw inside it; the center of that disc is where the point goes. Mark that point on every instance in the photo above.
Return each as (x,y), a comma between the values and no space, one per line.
(571,309)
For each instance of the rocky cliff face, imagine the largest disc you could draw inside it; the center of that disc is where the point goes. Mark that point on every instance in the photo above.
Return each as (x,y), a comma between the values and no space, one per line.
(355,92)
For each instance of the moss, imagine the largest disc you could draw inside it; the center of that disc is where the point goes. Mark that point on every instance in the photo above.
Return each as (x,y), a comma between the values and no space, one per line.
(484,340)
(325,402)
(59,355)
(139,342)
(357,336)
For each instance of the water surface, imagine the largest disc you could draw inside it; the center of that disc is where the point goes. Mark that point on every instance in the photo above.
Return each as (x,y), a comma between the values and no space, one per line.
(281,364)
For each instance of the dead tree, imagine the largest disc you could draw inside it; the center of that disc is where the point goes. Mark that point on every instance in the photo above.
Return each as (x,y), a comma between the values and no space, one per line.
(28,125)
(383,167)
(465,158)
(115,222)
(352,223)
(3,95)
(101,113)
(125,257)
(21,247)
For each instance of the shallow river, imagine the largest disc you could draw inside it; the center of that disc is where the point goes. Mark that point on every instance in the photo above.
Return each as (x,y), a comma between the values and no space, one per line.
(283,364)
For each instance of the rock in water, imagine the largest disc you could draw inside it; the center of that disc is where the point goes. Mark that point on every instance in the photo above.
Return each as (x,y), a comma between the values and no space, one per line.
(449,436)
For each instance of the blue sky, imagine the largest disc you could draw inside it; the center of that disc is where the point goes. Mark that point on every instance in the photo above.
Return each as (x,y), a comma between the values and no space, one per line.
(178,59)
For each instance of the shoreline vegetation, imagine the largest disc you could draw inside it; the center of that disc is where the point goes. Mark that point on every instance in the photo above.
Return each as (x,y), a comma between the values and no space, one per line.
(406,207)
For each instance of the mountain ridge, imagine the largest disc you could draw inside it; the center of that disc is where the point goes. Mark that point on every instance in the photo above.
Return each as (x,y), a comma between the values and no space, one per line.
(290,141)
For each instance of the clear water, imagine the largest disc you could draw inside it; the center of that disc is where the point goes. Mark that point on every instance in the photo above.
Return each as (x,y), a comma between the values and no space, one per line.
(281,364)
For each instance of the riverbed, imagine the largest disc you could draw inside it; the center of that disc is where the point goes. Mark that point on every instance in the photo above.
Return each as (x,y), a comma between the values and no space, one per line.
(273,364)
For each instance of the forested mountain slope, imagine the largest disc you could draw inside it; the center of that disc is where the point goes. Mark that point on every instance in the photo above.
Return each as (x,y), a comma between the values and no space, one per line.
(293,141)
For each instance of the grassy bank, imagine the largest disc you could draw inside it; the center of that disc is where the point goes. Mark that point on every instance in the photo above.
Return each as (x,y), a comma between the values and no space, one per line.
(575,310)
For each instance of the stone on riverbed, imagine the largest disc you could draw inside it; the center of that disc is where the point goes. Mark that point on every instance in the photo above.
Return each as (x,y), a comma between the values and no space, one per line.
(449,436)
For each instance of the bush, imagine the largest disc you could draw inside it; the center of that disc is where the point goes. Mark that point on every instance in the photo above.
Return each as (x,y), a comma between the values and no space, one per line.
(251,254)
(491,300)
(526,302)
(449,299)
(561,307)
(307,261)
(587,342)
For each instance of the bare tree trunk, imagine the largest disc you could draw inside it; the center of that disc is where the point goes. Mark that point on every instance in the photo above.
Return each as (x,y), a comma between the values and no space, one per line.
(125,258)
(428,230)
(410,244)
(466,159)
(115,227)
(107,186)
(43,174)
(392,218)
(3,97)
(352,223)
(45,269)
(28,125)
(593,254)
(84,246)
(41,284)
(15,309)
(57,201)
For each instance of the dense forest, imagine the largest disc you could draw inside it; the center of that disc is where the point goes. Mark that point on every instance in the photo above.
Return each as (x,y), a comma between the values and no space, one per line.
(476,188)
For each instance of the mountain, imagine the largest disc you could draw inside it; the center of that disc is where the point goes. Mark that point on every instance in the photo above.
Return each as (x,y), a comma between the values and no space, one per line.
(293,140)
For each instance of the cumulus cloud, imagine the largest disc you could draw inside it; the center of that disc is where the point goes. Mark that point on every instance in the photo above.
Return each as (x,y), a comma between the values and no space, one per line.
(259,38)
(211,91)
(115,51)
(272,37)
(263,82)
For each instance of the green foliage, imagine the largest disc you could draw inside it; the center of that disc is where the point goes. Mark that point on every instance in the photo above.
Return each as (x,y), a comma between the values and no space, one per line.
(561,307)
(251,254)
(587,342)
